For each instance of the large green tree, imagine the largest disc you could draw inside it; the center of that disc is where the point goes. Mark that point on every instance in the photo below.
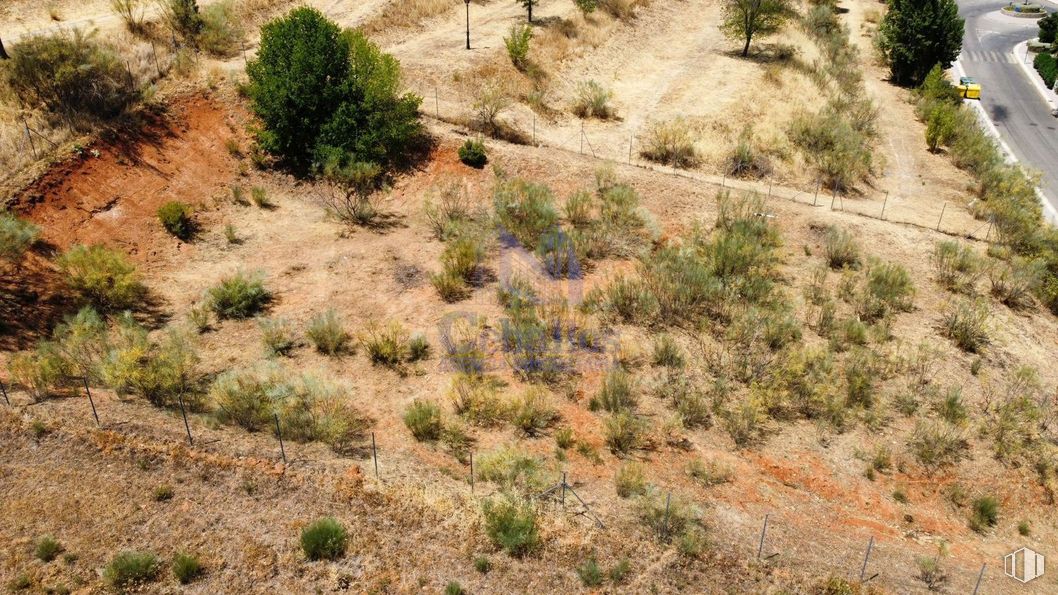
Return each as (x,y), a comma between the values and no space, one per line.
(746,19)
(916,35)
(323,95)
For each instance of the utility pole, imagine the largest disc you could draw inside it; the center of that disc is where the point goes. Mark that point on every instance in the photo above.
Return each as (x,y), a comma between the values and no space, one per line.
(467,2)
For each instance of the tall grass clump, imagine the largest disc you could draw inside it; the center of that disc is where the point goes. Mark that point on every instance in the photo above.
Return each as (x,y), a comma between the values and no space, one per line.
(325,539)
(958,267)
(841,249)
(670,143)
(327,334)
(966,323)
(510,523)
(131,568)
(423,419)
(186,567)
(592,100)
(617,393)
(984,514)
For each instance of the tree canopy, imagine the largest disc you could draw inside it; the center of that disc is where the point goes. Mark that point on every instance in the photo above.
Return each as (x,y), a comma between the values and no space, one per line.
(323,94)
(916,35)
(746,19)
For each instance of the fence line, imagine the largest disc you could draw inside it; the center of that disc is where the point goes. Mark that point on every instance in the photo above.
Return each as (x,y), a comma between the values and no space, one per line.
(579,141)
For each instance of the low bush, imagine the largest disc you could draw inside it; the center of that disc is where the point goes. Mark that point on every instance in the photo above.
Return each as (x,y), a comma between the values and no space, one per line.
(70,74)
(841,249)
(221,33)
(1014,283)
(182,17)
(131,568)
(937,445)
(745,160)
(564,438)
(744,422)
(423,418)
(449,209)
(238,296)
(510,523)
(464,345)
(667,353)
(472,153)
(47,549)
(512,468)
(984,514)
(624,432)
(176,219)
(450,286)
(589,572)
(619,9)
(325,331)
(131,13)
(838,146)
(463,257)
(958,266)
(104,276)
(629,480)
(325,539)
(386,345)
(532,412)
(578,209)
(525,210)
(709,473)
(40,371)
(617,393)
(186,567)
(159,371)
(277,334)
(667,517)
(16,236)
(966,323)
(592,100)
(517,43)
(163,493)
(670,143)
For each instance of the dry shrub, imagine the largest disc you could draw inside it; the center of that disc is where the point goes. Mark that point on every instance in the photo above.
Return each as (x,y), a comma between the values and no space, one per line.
(620,9)
(592,101)
(404,14)
(670,143)
(966,323)
(958,266)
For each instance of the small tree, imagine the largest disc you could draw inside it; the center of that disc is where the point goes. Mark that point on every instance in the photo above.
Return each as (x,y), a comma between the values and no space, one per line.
(529,4)
(918,34)
(744,19)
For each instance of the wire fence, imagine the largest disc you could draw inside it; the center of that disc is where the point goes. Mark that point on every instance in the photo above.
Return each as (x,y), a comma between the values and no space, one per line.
(903,205)
(773,544)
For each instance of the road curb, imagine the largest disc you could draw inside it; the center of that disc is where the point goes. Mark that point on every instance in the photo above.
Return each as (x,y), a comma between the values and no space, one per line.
(1049,212)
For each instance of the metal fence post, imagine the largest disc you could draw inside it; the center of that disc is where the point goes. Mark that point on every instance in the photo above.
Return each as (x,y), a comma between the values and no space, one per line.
(90,400)
(279,434)
(374,453)
(941,218)
(885,202)
(980,576)
(187,426)
(763,532)
(866,557)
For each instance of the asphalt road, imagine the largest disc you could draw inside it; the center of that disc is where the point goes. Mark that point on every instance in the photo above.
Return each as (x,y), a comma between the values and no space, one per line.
(1023,118)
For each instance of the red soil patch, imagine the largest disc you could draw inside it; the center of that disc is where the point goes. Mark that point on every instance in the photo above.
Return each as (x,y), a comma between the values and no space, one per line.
(110,194)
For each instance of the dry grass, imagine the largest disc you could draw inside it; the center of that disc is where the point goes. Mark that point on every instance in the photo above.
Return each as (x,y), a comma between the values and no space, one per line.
(406,14)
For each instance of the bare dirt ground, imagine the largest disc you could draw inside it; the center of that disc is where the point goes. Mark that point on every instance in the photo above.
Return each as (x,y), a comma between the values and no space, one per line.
(418,528)
(822,508)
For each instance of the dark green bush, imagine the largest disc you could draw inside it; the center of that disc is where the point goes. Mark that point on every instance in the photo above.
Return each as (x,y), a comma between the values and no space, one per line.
(238,296)
(473,154)
(131,568)
(1047,66)
(323,94)
(915,36)
(324,539)
(176,219)
(423,418)
(221,33)
(1048,27)
(182,17)
(70,74)
(47,548)
(984,514)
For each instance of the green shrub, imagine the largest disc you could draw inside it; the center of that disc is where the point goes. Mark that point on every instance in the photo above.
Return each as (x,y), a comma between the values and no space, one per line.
(221,33)
(325,539)
(454,588)
(511,524)
(326,333)
(889,286)
(512,468)
(160,372)
(578,209)
(1014,283)
(517,43)
(423,418)
(131,13)
(386,345)
(16,236)
(629,480)
(449,209)
(186,567)
(745,161)
(48,548)
(482,564)
(941,126)
(914,37)
(837,146)
(71,74)
(238,296)
(320,92)
(667,517)
(841,248)
(670,143)
(564,437)
(592,100)
(176,218)
(624,432)
(472,153)
(463,257)
(130,568)
(951,407)
(104,276)
(589,572)
(709,473)
(163,493)
(259,196)
(450,286)
(418,348)
(40,371)
(984,514)
(1047,66)
(617,393)
(966,323)
(476,399)
(182,17)
(463,345)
